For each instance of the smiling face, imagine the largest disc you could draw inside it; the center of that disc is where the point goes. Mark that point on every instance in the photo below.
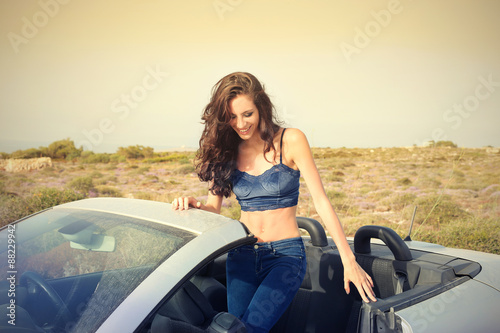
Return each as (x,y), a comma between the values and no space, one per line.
(244,116)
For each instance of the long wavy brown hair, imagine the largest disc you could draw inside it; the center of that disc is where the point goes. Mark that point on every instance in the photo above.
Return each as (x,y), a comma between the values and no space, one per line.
(216,158)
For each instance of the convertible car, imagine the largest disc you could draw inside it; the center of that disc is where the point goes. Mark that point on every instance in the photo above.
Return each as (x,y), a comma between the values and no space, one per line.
(125,265)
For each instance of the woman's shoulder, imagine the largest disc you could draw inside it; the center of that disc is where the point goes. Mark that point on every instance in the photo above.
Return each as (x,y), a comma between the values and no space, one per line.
(295,145)
(293,136)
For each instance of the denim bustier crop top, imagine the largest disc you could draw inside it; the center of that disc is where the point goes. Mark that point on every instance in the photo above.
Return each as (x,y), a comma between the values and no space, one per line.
(277,187)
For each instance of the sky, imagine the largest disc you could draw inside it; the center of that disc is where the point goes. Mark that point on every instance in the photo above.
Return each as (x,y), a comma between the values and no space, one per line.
(115,73)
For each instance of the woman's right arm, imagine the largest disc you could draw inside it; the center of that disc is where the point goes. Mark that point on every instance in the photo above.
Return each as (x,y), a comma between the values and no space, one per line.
(214,203)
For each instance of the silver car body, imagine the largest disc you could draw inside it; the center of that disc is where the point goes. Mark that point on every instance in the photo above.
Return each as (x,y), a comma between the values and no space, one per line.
(469,303)
(215,233)
(471,306)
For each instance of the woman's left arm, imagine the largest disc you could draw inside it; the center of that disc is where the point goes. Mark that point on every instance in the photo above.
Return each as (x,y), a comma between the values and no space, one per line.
(299,151)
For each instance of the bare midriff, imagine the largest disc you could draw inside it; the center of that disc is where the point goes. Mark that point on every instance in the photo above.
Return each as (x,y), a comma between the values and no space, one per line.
(272,225)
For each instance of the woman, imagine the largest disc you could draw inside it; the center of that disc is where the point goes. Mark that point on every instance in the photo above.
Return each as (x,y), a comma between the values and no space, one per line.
(243,150)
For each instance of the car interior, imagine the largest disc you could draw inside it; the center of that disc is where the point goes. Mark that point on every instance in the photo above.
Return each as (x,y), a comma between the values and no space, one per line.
(402,277)
(73,268)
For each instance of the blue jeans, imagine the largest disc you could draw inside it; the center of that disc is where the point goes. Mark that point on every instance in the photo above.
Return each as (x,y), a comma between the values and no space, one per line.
(262,280)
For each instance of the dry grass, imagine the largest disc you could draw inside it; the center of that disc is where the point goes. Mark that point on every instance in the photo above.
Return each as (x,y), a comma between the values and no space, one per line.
(457,190)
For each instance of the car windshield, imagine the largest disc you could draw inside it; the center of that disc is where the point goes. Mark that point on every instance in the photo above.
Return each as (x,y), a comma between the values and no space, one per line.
(92,260)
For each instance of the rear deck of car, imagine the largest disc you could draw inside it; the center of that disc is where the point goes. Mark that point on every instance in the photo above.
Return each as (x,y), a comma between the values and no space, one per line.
(322,305)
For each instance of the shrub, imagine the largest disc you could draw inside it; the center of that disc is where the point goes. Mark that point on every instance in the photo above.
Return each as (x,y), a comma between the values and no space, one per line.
(28,153)
(13,208)
(135,152)
(472,233)
(182,158)
(381,194)
(232,211)
(400,201)
(89,157)
(404,181)
(427,181)
(436,209)
(184,169)
(46,197)
(445,144)
(335,195)
(335,176)
(403,200)
(143,196)
(173,182)
(81,184)
(342,204)
(17,181)
(62,149)
(136,170)
(108,191)
(50,171)
(96,174)
(115,158)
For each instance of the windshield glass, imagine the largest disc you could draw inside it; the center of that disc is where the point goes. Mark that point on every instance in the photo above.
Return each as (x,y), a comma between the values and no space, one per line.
(91,260)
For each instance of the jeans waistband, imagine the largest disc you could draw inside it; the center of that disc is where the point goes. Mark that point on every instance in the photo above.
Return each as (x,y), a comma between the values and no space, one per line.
(275,244)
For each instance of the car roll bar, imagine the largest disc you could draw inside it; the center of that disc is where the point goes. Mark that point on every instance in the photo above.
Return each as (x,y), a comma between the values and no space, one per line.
(315,230)
(397,246)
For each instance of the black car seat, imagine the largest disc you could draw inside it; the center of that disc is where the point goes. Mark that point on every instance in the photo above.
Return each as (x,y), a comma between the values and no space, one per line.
(213,290)
(188,311)
(321,304)
(391,276)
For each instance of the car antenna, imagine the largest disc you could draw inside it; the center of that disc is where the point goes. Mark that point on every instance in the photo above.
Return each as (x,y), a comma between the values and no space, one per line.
(408,238)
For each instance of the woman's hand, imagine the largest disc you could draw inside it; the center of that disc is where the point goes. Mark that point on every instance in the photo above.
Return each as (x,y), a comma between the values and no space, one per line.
(363,282)
(183,203)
